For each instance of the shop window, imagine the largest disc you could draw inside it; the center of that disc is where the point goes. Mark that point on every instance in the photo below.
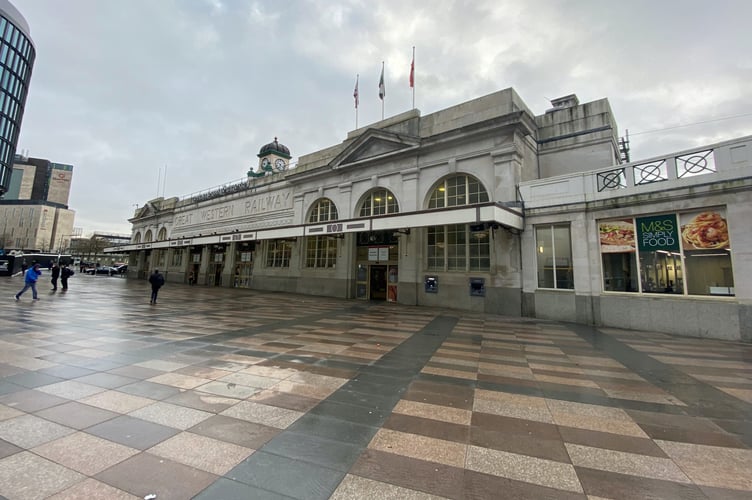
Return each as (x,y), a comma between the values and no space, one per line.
(554,256)
(379,202)
(278,253)
(707,253)
(678,254)
(618,255)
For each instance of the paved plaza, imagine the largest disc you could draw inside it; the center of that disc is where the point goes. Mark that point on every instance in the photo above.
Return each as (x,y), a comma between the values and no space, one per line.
(219,393)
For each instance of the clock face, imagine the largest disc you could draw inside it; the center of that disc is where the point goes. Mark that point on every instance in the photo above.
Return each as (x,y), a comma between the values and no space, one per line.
(280,164)
(265,163)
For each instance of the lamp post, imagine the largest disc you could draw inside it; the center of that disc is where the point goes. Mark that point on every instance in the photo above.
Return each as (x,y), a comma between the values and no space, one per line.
(60,246)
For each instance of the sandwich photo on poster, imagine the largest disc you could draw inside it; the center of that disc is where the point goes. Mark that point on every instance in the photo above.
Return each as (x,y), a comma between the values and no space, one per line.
(617,236)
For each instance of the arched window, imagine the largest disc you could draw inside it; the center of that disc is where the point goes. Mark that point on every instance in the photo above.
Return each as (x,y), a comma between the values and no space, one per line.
(148,237)
(454,247)
(323,211)
(162,235)
(321,251)
(137,238)
(456,191)
(379,202)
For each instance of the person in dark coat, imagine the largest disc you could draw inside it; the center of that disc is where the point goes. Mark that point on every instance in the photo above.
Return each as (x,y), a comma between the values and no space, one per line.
(65,273)
(157,280)
(55,272)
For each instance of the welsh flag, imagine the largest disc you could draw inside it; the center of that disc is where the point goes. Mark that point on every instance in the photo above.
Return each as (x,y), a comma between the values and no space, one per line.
(355,93)
(382,89)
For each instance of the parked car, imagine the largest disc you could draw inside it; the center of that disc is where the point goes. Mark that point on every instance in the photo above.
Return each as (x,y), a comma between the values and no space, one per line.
(121,269)
(109,271)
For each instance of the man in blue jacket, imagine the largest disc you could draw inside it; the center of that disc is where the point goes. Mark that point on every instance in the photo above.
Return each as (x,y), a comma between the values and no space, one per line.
(30,281)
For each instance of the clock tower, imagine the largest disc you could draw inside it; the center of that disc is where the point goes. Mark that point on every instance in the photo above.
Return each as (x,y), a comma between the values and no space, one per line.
(273,157)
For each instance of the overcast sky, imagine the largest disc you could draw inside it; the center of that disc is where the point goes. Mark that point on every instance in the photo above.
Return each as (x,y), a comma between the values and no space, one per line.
(124,90)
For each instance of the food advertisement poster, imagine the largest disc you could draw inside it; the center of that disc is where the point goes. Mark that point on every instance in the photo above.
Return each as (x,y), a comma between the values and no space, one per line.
(657,232)
(706,230)
(617,236)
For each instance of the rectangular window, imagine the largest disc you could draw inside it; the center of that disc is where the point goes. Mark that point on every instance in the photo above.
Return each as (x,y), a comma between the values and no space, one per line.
(456,248)
(321,251)
(554,256)
(436,248)
(480,251)
(278,253)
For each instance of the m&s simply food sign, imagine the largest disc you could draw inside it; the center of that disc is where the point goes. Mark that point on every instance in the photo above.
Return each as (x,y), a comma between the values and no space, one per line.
(659,232)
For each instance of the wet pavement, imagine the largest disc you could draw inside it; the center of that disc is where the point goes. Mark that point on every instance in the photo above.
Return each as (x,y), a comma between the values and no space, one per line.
(216,393)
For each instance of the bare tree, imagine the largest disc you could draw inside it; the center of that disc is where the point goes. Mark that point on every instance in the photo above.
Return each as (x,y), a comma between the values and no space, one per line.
(93,247)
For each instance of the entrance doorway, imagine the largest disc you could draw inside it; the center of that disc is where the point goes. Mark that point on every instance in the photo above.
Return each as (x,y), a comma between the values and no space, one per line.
(243,265)
(377,282)
(216,266)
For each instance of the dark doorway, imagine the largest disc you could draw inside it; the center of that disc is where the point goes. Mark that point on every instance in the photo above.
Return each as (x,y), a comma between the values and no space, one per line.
(377,280)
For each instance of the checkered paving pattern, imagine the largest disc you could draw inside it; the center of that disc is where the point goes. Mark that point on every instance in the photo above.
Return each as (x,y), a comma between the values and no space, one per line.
(222,394)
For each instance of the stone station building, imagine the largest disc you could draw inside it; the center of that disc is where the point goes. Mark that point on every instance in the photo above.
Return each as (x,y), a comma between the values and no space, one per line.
(482,206)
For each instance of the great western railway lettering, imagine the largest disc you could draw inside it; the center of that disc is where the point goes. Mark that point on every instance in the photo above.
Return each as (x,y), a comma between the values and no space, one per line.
(260,204)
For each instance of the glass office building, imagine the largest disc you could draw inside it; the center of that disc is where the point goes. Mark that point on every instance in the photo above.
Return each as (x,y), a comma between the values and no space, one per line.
(17,55)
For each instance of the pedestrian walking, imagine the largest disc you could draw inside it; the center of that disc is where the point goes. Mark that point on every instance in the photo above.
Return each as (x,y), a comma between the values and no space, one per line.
(55,271)
(30,281)
(157,280)
(65,273)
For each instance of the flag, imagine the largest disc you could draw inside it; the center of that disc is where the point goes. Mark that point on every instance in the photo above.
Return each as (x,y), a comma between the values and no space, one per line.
(382,89)
(412,73)
(355,93)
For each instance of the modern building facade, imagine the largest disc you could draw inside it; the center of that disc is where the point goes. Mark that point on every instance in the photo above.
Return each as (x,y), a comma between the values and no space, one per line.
(483,206)
(34,213)
(17,56)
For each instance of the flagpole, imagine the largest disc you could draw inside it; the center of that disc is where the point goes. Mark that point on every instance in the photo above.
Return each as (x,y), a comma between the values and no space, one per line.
(412,76)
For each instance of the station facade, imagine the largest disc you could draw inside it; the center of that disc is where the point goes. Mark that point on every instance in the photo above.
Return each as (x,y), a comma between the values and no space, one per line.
(485,207)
